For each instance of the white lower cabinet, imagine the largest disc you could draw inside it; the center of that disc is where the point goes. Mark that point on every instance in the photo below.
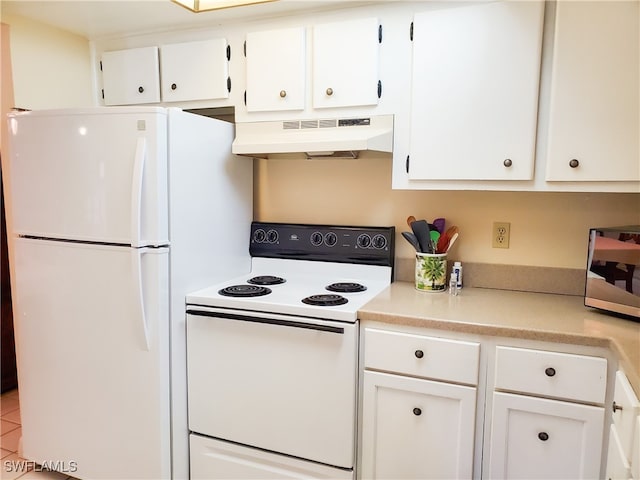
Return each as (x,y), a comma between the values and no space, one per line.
(617,464)
(623,459)
(213,459)
(418,406)
(544,439)
(415,428)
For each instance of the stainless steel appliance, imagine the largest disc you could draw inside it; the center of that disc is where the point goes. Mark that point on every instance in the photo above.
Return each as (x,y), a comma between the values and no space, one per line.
(272,356)
(613,270)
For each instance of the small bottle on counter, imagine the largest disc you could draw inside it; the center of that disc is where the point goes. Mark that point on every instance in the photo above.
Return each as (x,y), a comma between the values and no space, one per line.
(453,284)
(457,269)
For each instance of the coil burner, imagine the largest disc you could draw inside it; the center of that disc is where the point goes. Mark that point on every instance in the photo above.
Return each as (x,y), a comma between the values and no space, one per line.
(325,300)
(266,280)
(244,291)
(346,287)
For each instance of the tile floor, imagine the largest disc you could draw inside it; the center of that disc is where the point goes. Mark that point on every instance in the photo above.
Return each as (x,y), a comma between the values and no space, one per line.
(13,466)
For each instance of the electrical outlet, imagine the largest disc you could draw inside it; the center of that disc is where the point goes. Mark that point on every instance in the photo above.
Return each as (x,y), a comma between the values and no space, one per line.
(500,234)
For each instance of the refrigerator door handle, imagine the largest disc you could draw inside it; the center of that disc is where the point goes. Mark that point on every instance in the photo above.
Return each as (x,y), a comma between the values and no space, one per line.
(136,190)
(137,254)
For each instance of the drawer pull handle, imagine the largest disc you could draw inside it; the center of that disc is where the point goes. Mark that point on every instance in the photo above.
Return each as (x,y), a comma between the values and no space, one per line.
(417,412)
(419,353)
(283,93)
(550,372)
(544,436)
(616,407)
(141,89)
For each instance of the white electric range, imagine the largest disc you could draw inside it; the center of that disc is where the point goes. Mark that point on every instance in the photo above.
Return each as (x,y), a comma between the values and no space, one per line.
(273,354)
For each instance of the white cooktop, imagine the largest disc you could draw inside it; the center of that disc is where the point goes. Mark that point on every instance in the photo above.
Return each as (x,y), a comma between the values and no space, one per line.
(303,278)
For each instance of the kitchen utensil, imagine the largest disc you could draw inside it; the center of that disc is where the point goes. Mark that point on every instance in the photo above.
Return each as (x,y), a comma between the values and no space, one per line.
(410,219)
(411,238)
(421,231)
(439,223)
(452,241)
(435,236)
(443,241)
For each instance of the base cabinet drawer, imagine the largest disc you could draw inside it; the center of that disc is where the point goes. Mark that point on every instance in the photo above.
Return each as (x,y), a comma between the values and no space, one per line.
(422,356)
(416,429)
(213,459)
(551,374)
(554,439)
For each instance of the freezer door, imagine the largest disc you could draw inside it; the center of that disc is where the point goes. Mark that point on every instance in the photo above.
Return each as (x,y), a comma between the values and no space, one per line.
(92,338)
(93,175)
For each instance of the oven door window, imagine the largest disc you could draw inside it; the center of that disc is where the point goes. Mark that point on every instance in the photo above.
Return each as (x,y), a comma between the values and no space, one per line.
(275,382)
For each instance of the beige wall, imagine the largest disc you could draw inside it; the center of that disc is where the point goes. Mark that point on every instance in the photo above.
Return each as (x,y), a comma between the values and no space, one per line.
(51,67)
(547,229)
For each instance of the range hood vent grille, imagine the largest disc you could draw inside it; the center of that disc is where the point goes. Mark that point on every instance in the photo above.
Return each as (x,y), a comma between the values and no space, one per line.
(315,138)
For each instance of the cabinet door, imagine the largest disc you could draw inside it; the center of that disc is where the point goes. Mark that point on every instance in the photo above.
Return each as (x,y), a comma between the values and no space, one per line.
(595,100)
(345,63)
(545,438)
(131,76)
(194,70)
(474,94)
(625,412)
(418,429)
(617,464)
(276,70)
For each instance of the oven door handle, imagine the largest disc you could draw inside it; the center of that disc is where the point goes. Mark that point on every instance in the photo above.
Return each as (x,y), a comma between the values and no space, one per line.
(270,321)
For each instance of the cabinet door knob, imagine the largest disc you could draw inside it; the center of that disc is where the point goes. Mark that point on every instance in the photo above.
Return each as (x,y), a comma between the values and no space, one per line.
(173,86)
(329,91)
(574,163)
(507,162)
(544,436)
(417,412)
(283,93)
(419,353)
(550,372)
(140,89)
(616,407)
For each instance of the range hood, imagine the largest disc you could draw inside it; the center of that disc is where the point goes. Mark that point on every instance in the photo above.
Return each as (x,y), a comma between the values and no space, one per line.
(326,138)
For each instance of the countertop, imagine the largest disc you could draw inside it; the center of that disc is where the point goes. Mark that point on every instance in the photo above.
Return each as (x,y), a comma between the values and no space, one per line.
(504,313)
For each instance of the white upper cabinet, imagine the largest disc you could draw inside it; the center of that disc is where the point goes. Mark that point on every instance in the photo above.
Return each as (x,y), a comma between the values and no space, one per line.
(346,63)
(594,128)
(474,94)
(131,76)
(276,70)
(194,70)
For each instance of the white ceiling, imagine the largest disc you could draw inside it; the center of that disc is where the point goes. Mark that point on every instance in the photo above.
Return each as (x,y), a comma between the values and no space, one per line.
(105,18)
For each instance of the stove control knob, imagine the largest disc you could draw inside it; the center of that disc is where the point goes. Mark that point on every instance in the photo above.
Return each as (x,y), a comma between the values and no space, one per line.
(330,239)
(259,236)
(379,241)
(272,236)
(363,241)
(316,239)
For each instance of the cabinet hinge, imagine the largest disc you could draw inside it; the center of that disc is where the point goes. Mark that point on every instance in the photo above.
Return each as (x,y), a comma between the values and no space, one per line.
(379,88)
(407,164)
(228,52)
(244,48)
(100,65)
(245,98)
(229,84)
(379,33)
(411,32)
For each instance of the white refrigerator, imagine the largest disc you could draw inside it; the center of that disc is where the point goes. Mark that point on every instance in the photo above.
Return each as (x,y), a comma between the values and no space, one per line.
(117,213)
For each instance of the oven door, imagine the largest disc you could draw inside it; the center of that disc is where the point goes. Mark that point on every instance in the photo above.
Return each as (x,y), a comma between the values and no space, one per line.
(280,383)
